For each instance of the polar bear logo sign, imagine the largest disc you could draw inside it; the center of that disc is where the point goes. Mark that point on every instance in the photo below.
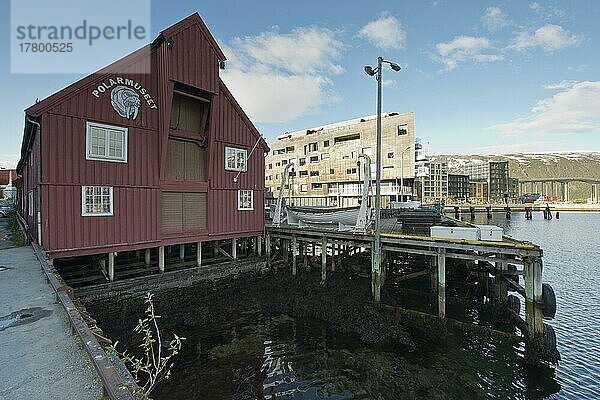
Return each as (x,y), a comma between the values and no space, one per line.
(125,101)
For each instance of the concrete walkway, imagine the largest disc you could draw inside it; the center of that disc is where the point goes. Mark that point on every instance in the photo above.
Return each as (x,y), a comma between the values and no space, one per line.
(39,358)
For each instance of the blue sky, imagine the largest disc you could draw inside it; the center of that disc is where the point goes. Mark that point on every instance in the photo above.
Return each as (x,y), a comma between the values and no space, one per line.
(482,76)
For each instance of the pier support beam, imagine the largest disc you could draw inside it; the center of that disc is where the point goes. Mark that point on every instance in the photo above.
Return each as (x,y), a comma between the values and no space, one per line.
(199,254)
(305,256)
(268,249)
(285,248)
(535,344)
(111,266)
(333,257)
(259,246)
(501,287)
(234,249)
(323,259)
(441,282)
(375,279)
(161,258)
(294,255)
(147,257)
(181,252)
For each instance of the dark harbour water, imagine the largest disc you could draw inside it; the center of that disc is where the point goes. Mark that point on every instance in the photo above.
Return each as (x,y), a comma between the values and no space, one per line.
(248,354)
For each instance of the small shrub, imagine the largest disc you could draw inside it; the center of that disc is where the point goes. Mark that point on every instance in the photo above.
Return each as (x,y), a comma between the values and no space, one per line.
(155,365)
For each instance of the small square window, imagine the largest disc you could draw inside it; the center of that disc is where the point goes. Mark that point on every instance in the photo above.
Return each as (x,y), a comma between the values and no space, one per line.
(390,155)
(235,159)
(106,142)
(96,200)
(245,200)
(326,143)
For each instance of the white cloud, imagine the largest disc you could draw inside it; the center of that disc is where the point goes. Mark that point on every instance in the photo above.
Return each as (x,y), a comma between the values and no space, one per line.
(547,12)
(386,32)
(550,38)
(575,109)
(465,48)
(564,84)
(494,19)
(278,77)
(389,82)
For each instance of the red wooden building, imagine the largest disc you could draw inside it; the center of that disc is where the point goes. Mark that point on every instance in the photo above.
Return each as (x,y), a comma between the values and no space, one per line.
(125,160)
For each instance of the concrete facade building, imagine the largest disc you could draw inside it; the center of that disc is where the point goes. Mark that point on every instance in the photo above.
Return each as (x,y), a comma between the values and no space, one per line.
(325,160)
(436,184)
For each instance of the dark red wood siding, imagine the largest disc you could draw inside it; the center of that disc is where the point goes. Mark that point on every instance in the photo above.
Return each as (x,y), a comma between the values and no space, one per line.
(137,185)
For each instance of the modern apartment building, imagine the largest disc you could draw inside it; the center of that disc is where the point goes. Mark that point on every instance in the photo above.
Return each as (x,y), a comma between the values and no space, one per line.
(495,174)
(458,188)
(434,185)
(326,169)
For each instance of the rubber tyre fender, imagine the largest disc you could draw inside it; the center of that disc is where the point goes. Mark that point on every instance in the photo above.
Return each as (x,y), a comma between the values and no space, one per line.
(549,300)
(550,336)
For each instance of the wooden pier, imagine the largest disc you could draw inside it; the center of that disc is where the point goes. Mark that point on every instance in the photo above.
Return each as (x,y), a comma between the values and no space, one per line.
(517,266)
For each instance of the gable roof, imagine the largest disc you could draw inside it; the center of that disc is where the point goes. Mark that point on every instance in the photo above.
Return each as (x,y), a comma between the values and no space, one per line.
(194,19)
(186,23)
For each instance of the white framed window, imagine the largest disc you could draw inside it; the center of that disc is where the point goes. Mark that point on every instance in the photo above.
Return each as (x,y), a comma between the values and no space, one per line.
(30,205)
(106,142)
(245,200)
(96,200)
(236,159)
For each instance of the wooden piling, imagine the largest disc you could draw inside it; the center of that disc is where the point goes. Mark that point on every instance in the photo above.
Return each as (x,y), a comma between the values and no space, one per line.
(501,286)
(234,249)
(147,258)
(286,250)
(294,255)
(333,257)
(441,286)
(199,254)
(161,258)
(323,259)
(259,245)
(533,311)
(182,252)
(111,266)
(268,248)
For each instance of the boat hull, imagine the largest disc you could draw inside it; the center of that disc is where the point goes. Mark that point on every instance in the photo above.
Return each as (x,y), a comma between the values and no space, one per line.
(322,215)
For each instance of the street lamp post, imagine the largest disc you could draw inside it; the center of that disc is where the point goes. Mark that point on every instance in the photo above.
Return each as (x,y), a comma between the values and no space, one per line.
(376,251)
(402,172)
